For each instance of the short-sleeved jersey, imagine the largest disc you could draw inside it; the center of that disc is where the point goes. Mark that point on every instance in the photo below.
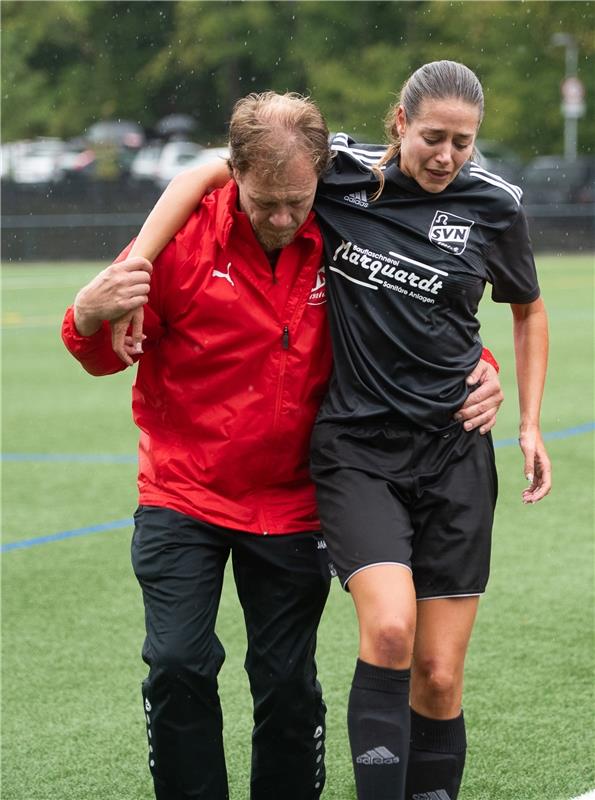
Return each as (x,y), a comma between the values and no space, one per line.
(405,274)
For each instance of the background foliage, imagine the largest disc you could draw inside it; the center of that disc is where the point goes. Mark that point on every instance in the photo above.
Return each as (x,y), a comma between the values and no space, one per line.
(67,64)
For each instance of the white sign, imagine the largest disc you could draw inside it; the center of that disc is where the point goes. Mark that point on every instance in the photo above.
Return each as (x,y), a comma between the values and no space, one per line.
(573,97)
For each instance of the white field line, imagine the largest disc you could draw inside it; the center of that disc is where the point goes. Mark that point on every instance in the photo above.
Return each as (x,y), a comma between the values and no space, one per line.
(19,284)
(589,796)
(14,321)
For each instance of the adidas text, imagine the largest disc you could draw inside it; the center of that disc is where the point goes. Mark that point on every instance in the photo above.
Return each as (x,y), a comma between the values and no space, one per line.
(378,755)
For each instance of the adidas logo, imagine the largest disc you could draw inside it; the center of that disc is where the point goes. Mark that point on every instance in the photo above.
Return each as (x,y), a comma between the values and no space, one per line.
(358,198)
(440,794)
(378,755)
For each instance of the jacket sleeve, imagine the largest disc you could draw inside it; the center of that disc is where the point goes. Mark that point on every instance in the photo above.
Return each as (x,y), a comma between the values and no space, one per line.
(487,355)
(95,352)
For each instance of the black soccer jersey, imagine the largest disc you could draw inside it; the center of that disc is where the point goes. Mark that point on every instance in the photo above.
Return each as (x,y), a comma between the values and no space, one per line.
(405,274)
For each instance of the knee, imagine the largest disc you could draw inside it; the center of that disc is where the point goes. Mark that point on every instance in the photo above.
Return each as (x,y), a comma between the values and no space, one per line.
(286,703)
(439,683)
(282,691)
(174,661)
(389,643)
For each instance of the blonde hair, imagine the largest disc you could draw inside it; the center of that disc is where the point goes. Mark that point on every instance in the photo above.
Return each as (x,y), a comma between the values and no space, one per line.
(437,80)
(266,129)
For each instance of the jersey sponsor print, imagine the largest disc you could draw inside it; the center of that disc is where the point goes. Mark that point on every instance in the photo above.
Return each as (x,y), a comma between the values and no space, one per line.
(392,271)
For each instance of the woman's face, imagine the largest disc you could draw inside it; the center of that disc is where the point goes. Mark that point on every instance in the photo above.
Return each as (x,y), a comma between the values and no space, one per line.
(438,141)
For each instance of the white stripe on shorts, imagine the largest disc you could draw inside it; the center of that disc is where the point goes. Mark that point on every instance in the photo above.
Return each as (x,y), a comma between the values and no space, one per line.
(377,564)
(450,596)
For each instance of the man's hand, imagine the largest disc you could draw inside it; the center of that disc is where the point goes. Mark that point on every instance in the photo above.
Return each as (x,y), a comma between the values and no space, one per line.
(480,408)
(117,290)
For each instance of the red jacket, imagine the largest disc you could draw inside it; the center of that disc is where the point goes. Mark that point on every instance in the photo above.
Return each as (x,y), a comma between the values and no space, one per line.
(236,363)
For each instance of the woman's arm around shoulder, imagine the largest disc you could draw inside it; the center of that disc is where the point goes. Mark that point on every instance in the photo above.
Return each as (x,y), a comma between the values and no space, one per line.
(169,214)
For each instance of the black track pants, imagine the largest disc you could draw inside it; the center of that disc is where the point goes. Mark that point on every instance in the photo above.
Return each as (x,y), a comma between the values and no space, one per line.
(282,584)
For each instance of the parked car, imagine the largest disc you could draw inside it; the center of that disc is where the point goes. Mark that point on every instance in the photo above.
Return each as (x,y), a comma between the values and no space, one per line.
(174,158)
(37,161)
(76,161)
(208,154)
(499,159)
(9,154)
(549,180)
(120,132)
(115,143)
(145,164)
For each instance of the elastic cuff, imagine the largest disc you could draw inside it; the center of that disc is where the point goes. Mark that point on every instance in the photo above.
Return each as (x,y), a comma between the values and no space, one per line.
(438,735)
(380,679)
(486,355)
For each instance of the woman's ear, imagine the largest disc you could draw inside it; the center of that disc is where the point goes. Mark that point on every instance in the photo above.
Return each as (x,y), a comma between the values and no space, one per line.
(401,121)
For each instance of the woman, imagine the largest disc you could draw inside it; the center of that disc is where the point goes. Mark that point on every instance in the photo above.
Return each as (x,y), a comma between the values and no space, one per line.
(406,497)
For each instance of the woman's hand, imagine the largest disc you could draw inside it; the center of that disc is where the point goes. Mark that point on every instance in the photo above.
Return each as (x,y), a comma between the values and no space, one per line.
(538,469)
(125,347)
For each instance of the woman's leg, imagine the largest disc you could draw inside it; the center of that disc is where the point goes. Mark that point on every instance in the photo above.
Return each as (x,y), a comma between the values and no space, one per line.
(378,714)
(438,742)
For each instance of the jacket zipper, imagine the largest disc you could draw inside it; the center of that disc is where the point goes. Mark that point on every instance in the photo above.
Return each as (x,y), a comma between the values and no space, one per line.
(280,382)
(281,379)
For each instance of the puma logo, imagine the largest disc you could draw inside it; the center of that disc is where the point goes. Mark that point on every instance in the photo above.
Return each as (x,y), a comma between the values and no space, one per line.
(225,275)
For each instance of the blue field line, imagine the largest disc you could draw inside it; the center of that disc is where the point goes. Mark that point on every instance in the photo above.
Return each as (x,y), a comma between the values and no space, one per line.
(106,458)
(548,437)
(56,537)
(123,523)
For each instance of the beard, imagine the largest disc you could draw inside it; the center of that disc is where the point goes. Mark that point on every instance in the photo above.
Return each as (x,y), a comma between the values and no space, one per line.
(275,240)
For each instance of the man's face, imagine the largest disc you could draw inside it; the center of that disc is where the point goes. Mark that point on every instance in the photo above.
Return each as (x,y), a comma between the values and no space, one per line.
(277,206)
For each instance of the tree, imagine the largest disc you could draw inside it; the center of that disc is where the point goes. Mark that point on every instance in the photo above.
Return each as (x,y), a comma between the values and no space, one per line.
(66,64)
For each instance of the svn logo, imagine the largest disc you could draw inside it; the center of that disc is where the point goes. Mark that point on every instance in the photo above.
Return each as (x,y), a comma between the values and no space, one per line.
(318,292)
(449,232)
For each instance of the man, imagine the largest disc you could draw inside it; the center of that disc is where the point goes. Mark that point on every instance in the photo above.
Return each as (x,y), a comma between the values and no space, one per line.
(236,360)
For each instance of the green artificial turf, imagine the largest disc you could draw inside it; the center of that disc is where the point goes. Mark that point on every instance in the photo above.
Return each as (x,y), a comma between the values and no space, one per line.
(72,722)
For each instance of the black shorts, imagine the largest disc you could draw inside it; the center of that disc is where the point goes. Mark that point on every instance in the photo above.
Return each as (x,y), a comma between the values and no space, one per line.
(395,494)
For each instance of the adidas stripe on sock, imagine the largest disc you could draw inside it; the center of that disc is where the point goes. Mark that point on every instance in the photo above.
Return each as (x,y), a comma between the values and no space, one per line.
(378,722)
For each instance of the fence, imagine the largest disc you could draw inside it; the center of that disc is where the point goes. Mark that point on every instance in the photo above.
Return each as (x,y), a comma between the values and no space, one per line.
(94,220)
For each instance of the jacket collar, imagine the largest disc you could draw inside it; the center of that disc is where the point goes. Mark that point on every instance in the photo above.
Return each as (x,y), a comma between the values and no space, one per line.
(228,216)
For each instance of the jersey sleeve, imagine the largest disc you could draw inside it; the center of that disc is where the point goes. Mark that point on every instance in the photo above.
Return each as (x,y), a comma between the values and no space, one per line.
(351,160)
(511,266)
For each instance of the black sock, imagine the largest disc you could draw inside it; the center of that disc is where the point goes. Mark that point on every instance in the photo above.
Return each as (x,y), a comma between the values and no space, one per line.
(436,758)
(378,723)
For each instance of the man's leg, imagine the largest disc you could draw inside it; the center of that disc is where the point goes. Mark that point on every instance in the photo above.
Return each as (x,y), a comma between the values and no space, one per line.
(179,563)
(438,741)
(283,583)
